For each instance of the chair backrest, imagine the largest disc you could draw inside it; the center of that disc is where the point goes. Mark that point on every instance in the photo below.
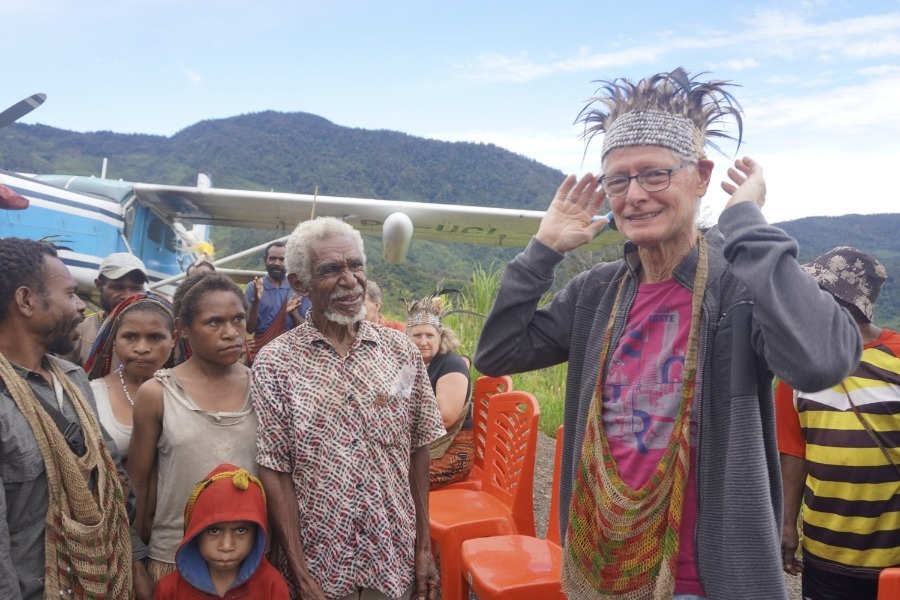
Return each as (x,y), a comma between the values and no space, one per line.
(485,387)
(553,523)
(509,454)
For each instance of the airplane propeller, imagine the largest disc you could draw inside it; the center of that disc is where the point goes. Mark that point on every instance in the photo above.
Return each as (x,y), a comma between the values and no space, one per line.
(20,109)
(10,200)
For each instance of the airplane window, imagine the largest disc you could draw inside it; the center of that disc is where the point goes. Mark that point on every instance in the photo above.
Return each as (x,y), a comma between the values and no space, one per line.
(161,234)
(129,222)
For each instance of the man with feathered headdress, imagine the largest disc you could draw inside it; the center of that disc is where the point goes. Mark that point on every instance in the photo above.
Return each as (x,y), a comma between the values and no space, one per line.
(669,483)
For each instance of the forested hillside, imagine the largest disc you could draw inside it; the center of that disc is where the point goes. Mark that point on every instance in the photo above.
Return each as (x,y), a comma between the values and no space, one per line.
(296,152)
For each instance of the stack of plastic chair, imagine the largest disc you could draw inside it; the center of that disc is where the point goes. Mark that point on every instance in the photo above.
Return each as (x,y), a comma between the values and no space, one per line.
(517,567)
(485,387)
(504,505)
(889,584)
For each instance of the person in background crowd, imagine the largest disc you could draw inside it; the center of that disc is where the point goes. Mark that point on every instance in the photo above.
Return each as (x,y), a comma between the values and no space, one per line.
(373,308)
(64,521)
(121,275)
(451,454)
(840,450)
(669,417)
(274,307)
(346,414)
(201,266)
(193,417)
(139,335)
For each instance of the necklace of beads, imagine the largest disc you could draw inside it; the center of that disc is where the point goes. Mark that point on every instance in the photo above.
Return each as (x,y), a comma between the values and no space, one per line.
(124,387)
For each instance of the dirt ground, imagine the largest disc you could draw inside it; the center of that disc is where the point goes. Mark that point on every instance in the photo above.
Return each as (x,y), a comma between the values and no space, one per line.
(543,478)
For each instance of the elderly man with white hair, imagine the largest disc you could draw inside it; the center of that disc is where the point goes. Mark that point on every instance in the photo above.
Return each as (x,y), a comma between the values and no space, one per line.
(346,413)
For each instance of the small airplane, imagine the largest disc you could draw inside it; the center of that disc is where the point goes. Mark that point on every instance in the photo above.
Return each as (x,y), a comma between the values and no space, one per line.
(95,217)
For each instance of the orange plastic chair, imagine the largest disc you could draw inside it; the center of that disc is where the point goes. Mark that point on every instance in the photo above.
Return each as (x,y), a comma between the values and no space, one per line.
(485,387)
(889,584)
(517,567)
(504,505)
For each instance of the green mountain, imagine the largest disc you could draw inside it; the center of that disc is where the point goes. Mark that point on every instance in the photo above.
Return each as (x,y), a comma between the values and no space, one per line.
(299,152)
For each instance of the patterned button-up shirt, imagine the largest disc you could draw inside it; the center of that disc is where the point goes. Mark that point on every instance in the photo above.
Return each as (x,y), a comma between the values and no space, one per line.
(344,428)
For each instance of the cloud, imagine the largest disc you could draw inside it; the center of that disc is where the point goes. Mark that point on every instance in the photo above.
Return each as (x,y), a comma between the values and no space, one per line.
(861,113)
(195,79)
(767,33)
(521,69)
(740,65)
(886,46)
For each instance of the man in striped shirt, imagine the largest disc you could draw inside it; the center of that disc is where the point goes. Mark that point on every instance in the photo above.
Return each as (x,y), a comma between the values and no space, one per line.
(840,450)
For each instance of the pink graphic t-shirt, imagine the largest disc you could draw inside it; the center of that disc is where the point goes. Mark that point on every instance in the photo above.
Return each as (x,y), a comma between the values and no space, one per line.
(641,396)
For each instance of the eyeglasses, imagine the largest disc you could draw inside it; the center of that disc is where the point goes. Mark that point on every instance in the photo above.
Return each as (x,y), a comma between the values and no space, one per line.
(654,180)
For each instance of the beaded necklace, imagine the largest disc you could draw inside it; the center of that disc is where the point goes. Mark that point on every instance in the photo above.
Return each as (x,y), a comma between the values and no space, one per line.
(124,387)
(623,543)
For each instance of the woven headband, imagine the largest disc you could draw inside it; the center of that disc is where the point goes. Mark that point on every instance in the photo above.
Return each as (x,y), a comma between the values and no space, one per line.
(654,128)
(423,318)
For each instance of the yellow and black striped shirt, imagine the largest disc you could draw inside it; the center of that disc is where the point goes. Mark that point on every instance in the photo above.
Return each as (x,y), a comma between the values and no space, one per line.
(851,521)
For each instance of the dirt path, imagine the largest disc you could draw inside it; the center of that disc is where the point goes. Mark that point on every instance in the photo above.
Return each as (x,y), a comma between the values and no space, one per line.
(543,479)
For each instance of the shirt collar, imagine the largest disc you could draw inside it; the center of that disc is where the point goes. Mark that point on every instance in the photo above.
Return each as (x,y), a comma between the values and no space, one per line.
(308,334)
(268,285)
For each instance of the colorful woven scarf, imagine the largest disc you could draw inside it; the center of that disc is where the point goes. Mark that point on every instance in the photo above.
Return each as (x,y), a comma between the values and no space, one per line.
(87,541)
(261,338)
(623,543)
(99,361)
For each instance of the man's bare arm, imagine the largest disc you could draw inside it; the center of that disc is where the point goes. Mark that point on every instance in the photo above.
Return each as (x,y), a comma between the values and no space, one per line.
(428,582)
(285,526)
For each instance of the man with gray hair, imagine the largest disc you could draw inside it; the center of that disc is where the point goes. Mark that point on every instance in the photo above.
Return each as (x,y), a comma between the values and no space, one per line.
(346,413)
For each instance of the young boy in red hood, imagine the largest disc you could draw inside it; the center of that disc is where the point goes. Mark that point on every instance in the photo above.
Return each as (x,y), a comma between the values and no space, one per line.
(221,555)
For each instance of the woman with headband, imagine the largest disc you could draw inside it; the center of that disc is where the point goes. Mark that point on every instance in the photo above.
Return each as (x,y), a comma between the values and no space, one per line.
(138,335)
(451,454)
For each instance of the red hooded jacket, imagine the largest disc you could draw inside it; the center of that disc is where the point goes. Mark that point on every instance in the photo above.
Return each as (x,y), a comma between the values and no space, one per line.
(227,494)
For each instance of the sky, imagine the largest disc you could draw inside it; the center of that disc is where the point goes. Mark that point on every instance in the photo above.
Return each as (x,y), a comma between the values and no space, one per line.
(820,79)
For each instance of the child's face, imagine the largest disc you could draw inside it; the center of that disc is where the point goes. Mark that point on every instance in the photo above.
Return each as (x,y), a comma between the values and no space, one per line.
(224,546)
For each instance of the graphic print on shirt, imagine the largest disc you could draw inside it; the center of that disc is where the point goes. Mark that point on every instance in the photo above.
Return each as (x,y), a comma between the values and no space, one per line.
(642,391)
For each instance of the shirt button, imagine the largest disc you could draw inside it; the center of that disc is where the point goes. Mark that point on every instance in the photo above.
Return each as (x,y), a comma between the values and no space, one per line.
(359,486)
(354,443)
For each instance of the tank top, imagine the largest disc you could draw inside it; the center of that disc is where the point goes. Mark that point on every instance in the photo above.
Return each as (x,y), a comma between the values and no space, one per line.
(119,432)
(193,442)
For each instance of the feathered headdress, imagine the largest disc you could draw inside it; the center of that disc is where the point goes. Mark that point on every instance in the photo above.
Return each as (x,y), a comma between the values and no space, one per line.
(672,110)
(430,310)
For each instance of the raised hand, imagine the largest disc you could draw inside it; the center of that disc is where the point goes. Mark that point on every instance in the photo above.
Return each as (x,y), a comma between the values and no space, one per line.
(751,186)
(569,222)
(258,287)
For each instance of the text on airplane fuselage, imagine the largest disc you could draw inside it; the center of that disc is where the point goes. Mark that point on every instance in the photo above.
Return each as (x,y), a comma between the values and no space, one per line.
(442,227)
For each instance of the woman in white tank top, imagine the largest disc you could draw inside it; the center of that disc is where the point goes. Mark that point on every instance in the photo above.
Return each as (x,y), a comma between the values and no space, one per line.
(193,417)
(138,335)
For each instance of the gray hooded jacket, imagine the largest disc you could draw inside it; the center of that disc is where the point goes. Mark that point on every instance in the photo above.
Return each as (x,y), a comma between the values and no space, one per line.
(762,314)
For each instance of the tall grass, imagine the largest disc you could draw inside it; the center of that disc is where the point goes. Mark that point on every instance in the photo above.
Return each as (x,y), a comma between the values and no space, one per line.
(547,385)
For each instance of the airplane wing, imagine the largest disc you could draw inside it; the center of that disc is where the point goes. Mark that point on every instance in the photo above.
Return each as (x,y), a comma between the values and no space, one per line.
(282,211)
